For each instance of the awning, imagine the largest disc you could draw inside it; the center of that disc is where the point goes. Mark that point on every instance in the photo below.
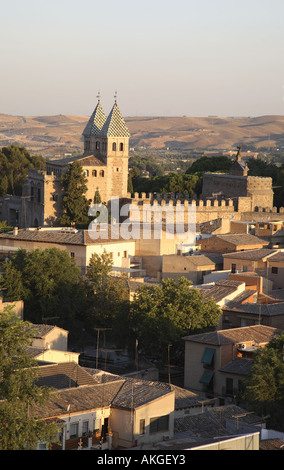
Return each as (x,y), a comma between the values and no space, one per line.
(206,378)
(208,355)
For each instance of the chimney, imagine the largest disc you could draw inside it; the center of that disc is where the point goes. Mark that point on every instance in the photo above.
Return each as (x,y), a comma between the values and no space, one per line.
(15,231)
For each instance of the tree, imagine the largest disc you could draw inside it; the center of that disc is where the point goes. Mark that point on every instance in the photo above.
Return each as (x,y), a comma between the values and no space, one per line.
(15,163)
(19,395)
(75,203)
(97,197)
(110,300)
(264,390)
(161,315)
(211,164)
(49,282)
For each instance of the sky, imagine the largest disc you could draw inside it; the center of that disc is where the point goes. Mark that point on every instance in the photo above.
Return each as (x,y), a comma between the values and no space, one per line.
(164,58)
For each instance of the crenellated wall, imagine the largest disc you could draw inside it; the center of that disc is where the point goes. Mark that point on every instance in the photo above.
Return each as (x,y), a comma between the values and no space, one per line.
(207,208)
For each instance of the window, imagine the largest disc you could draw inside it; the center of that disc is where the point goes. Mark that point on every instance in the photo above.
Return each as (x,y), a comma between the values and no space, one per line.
(72,254)
(114,147)
(274,270)
(85,428)
(208,357)
(125,254)
(102,173)
(74,430)
(142,426)
(38,195)
(233,269)
(121,147)
(245,269)
(97,145)
(159,424)
(118,254)
(243,322)
(86,172)
(111,255)
(94,173)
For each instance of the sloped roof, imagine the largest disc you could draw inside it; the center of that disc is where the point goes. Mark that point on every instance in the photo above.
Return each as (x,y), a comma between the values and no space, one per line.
(253,255)
(43,330)
(200,260)
(64,237)
(134,393)
(96,122)
(76,387)
(239,365)
(63,375)
(220,290)
(257,333)
(115,125)
(241,239)
(262,309)
(212,423)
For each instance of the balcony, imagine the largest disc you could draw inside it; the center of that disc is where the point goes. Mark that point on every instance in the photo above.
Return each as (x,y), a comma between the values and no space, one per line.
(83,442)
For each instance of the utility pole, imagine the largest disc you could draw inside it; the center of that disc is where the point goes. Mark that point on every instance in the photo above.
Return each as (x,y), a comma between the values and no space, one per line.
(98,339)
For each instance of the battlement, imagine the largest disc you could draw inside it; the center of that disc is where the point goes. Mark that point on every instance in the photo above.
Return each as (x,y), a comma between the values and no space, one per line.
(206,208)
(175,199)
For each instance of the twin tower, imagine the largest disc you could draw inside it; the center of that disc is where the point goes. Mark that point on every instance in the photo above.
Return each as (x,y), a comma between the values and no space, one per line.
(106,153)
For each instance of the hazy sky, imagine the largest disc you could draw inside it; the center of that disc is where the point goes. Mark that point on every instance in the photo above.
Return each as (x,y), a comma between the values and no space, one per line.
(182,57)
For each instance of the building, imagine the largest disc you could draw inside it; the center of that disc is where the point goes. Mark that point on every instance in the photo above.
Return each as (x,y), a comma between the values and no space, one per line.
(269,314)
(249,192)
(268,263)
(104,159)
(192,267)
(17,306)
(216,363)
(226,291)
(116,412)
(50,345)
(104,162)
(78,243)
(229,242)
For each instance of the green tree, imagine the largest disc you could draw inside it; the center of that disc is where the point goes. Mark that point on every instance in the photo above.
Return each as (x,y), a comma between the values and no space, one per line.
(110,301)
(4,184)
(19,395)
(75,203)
(50,284)
(264,390)
(161,315)
(210,164)
(15,163)
(97,197)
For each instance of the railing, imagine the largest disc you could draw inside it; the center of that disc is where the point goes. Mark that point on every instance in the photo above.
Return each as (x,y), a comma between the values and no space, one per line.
(77,442)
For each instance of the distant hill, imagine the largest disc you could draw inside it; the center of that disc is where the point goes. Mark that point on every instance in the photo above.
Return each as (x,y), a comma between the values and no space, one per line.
(56,135)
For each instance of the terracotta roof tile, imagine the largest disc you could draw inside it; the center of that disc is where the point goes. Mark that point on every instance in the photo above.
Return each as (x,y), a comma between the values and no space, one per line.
(256,333)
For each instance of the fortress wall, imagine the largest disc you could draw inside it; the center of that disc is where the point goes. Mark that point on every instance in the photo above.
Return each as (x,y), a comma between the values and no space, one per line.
(206,209)
(209,209)
(229,185)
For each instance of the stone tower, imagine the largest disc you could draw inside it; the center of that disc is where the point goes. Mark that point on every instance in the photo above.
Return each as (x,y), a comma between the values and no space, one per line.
(107,140)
